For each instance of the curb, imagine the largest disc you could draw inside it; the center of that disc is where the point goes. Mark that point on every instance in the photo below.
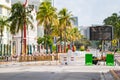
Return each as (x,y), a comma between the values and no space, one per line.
(115,75)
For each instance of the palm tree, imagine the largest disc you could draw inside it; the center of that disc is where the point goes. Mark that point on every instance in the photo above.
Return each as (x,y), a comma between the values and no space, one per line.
(20,16)
(114,20)
(47,17)
(73,34)
(3,24)
(65,20)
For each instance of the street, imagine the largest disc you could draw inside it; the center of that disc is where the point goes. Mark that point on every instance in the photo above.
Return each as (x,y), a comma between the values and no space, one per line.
(58,72)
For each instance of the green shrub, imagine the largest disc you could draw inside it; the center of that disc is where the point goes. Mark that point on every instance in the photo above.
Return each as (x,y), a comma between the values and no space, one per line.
(82,48)
(67,49)
(53,48)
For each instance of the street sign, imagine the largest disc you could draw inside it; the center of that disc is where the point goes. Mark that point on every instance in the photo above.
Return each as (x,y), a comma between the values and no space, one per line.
(114,42)
(101,32)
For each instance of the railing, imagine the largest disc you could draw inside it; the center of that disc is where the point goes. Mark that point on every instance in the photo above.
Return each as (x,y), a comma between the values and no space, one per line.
(25,58)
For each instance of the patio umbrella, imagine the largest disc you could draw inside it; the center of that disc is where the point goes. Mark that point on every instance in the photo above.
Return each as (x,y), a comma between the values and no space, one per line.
(51,49)
(30,49)
(27,49)
(9,49)
(4,50)
(1,50)
(33,47)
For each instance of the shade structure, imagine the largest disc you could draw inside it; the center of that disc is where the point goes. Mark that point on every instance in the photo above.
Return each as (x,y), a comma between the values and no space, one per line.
(88,59)
(110,60)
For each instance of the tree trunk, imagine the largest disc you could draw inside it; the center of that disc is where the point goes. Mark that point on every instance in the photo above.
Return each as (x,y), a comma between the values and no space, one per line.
(118,44)
(65,41)
(61,41)
(21,41)
(25,38)
(1,42)
(1,46)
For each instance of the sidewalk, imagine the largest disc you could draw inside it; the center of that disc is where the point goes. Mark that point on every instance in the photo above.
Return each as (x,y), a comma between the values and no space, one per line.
(33,63)
(115,74)
(117,58)
(80,64)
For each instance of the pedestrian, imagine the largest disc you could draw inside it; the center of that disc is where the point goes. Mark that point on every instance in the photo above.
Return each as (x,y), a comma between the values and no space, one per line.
(115,50)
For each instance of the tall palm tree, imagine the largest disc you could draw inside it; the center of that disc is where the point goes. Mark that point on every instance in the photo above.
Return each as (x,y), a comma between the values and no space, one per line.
(47,17)
(65,20)
(3,23)
(73,34)
(20,16)
(114,20)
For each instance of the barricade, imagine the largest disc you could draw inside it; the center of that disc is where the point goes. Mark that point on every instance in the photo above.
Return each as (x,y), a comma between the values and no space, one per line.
(110,60)
(88,59)
(71,60)
(63,58)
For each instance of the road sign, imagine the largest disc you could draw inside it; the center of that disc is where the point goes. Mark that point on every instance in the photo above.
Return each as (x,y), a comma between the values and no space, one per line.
(114,42)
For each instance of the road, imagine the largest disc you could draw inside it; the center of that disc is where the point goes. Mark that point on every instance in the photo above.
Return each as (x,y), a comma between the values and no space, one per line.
(58,72)
(52,71)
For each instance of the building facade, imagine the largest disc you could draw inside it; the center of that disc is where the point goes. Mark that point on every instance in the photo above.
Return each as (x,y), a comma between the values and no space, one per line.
(5,6)
(31,34)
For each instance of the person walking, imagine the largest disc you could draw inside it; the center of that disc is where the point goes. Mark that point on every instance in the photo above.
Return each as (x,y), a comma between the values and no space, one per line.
(115,50)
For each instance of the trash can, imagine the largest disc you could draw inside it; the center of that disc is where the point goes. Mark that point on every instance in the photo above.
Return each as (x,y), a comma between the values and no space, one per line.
(88,59)
(110,60)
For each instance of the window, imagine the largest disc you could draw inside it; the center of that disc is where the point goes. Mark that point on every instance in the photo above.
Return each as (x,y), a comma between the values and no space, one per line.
(0,10)
(36,8)
(7,1)
(8,12)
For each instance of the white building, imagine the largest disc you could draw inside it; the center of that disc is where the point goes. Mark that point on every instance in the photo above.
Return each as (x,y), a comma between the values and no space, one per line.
(33,34)
(5,6)
(75,23)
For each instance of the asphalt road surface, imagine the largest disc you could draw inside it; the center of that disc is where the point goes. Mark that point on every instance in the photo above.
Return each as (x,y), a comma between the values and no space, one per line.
(55,73)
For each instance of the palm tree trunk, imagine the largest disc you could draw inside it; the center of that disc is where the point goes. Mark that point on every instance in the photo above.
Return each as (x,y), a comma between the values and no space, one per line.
(25,38)
(61,41)
(65,41)
(1,41)
(21,41)
(118,44)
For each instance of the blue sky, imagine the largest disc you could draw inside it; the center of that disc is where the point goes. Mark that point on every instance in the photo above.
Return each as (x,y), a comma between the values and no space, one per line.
(90,12)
